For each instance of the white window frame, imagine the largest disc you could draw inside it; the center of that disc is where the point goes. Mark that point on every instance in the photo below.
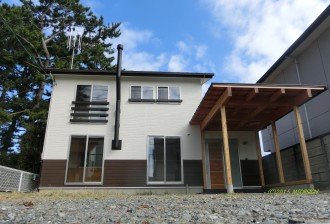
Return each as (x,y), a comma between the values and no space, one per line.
(92,88)
(168,92)
(181,160)
(68,157)
(142,98)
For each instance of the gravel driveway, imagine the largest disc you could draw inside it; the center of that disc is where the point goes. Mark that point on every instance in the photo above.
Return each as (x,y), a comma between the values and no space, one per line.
(110,208)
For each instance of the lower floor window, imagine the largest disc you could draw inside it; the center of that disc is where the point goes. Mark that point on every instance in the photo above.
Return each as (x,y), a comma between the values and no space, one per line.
(164,159)
(85,162)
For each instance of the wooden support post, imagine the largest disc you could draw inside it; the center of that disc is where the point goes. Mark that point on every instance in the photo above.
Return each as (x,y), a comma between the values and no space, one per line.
(278,154)
(261,169)
(303,146)
(203,159)
(229,180)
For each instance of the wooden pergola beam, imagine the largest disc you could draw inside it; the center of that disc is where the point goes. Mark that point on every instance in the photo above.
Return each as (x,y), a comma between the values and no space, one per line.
(301,97)
(252,94)
(277,95)
(222,100)
(257,102)
(229,181)
(242,123)
(244,86)
(235,112)
(303,146)
(258,110)
(278,154)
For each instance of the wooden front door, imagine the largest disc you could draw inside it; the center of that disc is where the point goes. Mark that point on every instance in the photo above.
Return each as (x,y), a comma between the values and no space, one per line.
(216,174)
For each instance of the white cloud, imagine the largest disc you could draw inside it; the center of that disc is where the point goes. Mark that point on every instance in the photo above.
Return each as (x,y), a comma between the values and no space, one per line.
(200,51)
(191,57)
(182,46)
(131,38)
(177,63)
(133,57)
(261,31)
(143,61)
(138,45)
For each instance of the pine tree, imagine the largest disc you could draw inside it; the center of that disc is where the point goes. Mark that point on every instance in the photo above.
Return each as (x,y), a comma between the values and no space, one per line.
(34,38)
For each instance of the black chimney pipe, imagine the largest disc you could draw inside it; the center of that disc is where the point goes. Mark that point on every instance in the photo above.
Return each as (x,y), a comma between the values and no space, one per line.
(116,143)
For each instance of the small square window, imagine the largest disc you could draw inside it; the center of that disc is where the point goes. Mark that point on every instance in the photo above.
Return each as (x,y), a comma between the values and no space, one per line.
(169,93)
(147,92)
(163,93)
(136,92)
(174,93)
(142,93)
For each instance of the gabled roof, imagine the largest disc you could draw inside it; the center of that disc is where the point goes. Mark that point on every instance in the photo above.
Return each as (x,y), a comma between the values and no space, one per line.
(310,34)
(250,107)
(126,73)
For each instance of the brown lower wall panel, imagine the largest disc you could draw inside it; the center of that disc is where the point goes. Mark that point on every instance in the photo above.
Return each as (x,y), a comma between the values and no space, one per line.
(193,172)
(52,173)
(125,173)
(118,173)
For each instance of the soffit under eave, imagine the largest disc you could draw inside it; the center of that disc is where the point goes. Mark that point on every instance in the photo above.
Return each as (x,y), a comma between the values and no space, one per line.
(252,107)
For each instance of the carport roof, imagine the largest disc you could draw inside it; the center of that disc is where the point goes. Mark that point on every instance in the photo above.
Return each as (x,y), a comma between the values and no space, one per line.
(250,107)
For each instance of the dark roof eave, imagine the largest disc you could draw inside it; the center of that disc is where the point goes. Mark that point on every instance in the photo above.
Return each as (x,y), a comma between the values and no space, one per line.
(319,20)
(131,73)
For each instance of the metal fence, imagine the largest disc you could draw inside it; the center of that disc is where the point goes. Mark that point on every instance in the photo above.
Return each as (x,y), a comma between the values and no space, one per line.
(17,180)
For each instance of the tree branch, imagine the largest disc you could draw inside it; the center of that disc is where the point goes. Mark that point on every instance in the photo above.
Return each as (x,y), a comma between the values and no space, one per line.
(18,112)
(34,49)
(44,46)
(52,37)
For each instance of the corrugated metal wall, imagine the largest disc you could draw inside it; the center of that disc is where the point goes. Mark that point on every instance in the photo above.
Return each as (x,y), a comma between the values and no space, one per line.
(311,67)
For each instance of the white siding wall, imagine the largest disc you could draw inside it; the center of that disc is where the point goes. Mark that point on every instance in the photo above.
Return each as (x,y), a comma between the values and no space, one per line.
(246,142)
(138,120)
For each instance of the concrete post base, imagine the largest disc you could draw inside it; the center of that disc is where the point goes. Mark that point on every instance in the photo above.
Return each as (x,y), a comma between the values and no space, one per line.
(230,188)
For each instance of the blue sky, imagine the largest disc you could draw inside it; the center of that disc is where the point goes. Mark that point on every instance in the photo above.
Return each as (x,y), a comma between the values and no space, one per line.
(238,40)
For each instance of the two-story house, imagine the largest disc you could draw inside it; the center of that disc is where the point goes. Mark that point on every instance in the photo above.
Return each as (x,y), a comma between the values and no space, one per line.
(158,146)
(170,137)
(159,150)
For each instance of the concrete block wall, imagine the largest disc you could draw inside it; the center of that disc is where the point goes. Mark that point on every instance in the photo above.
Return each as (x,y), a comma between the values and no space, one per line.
(319,158)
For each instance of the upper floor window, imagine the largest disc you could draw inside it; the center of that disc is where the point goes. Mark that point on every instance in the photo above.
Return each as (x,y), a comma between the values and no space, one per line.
(89,93)
(91,104)
(142,93)
(171,94)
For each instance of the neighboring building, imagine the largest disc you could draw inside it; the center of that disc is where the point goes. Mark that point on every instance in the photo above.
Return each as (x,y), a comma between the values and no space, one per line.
(171,138)
(306,62)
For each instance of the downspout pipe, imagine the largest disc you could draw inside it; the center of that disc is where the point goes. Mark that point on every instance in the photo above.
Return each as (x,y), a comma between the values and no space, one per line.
(116,143)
